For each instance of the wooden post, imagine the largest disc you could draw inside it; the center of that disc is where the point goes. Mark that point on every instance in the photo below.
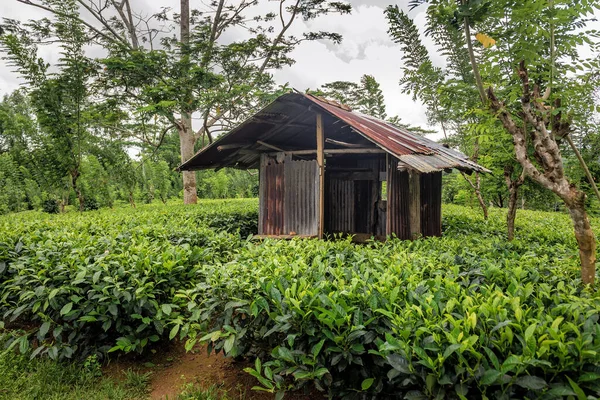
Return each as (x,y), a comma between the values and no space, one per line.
(388,220)
(261,192)
(414,203)
(321,164)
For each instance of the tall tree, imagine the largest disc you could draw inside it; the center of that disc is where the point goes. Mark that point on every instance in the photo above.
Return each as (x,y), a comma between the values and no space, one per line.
(535,73)
(371,99)
(448,93)
(60,99)
(166,81)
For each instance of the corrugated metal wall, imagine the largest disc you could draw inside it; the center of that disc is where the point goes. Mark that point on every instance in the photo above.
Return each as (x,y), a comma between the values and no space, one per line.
(301,197)
(272,197)
(431,204)
(339,206)
(398,209)
(289,201)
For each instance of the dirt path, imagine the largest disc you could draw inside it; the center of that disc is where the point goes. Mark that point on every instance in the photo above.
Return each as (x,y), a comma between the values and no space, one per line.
(173,368)
(203,370)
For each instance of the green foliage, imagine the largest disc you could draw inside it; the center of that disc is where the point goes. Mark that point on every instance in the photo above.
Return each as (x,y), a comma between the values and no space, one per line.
(227,183)
(438,317)
(50,206)
(107,282)
(461,316)
(90,204)
(25,379)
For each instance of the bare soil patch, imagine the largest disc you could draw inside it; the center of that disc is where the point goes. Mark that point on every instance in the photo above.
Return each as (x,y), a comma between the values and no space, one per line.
(172,368)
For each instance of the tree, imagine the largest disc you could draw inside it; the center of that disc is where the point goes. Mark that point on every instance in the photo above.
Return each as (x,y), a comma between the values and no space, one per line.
(168,80)
(448,93)
(344,92)
(60,99)
(371,99)
(538,40)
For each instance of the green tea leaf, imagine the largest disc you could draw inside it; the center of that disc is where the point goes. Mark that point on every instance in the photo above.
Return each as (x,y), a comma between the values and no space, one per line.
(367,383)
(66,309)
(531,382)
(44,329)
(228,345)
(490,376)
(578,391)
(174,331)
(166,308)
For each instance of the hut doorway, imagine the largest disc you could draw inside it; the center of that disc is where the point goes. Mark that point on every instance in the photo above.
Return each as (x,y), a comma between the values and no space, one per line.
(353,197)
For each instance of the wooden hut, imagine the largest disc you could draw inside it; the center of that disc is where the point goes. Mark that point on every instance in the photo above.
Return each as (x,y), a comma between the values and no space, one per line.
(324,169)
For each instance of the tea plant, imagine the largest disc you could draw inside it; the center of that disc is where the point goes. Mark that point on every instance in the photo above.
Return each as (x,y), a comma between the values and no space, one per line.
(79,285)
(464,316)
(468,315)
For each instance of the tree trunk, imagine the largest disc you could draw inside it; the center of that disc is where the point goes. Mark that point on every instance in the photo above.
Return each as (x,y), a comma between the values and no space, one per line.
(131,200)
(74,177)
(584,235)
(479,196)
(513,190)
(547,153)
(187,141)
(187,138)
(512,211)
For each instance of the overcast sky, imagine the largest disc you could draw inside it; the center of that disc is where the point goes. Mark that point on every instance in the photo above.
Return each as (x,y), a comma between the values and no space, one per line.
(366,49)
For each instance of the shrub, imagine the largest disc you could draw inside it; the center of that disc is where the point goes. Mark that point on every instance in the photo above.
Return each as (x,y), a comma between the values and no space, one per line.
(104,283)
(90,204)
(468,315)
(51,206)
(464,316)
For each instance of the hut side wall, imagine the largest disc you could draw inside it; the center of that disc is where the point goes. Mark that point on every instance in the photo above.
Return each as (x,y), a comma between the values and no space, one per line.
(431,204)
(429,195)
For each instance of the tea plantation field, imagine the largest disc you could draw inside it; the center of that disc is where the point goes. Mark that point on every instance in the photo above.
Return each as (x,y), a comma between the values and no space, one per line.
(468,315)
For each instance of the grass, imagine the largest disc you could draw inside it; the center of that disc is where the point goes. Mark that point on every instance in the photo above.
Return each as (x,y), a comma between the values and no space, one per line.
(24,379)
(194,392)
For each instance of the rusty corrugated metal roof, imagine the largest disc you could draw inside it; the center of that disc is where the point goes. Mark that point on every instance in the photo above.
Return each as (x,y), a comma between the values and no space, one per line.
(413,151)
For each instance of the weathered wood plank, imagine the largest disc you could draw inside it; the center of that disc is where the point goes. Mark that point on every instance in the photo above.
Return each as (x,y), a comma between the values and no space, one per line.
(414,205)
(321,163)
(364,150)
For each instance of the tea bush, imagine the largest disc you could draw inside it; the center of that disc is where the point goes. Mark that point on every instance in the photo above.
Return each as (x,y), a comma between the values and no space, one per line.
(81,283)
(464,316)
(468,315)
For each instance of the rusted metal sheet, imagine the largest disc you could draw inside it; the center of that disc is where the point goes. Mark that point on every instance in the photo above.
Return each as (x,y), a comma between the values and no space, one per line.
(431,204)
(272,212)
(301,202)
(398,221)
(387,136)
